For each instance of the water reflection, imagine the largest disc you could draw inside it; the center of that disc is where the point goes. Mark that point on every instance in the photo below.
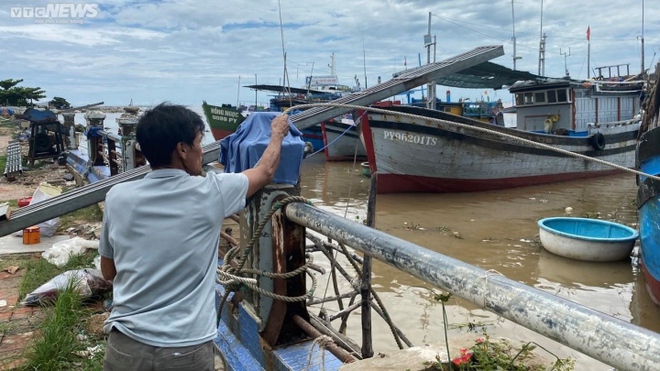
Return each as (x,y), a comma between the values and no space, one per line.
(498,232)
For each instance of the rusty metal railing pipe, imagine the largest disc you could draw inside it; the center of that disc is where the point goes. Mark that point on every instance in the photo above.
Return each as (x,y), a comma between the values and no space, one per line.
(615,342)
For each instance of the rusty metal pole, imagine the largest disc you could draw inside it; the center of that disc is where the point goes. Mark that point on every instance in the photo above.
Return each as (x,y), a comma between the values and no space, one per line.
(365,288)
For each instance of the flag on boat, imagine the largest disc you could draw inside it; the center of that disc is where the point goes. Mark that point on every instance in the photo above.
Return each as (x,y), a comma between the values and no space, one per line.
(404,61)
(588,33)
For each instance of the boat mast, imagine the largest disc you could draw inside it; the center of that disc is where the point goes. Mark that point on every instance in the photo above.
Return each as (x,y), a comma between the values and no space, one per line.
(513,38)
(364,62)
(565,62)
(428,41)
(643,69)
(541,46)
(332,64)
(238,93)
(588,52)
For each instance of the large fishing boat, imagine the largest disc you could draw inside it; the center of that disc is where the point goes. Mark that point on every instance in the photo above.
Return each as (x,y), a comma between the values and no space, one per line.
(423,150)
(223,120)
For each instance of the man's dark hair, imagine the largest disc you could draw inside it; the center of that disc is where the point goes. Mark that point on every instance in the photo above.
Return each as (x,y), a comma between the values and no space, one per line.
(161,128)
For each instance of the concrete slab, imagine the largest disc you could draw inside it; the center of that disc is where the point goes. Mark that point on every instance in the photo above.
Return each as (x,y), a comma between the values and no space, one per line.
(12,244)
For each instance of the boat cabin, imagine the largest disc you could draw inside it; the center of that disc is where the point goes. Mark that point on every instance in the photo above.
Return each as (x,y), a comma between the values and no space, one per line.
(571,107)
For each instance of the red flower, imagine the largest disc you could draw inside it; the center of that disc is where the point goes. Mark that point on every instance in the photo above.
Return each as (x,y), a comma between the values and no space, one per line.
(479,340)
(464,358)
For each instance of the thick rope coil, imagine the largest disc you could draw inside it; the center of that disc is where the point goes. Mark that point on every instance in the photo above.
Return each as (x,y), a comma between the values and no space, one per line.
(230,277)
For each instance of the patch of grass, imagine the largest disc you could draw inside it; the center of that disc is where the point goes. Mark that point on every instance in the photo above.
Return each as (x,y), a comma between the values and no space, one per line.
(3,162)
(89,214)
(15,260)
(5,327)
(13,204)
(55,347)
(37,273)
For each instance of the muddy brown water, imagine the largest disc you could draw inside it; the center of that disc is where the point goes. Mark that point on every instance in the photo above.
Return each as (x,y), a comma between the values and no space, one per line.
(496,231)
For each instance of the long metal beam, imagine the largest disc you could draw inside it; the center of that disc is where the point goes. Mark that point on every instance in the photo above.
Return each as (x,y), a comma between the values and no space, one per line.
(81,197)
(620,344)
(399,84)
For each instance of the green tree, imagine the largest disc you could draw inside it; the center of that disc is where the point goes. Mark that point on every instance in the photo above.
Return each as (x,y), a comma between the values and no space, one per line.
(59,103)
(9,83)
(11,94)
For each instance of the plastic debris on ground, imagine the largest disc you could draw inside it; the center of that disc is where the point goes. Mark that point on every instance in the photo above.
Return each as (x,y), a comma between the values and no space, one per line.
(87,282)
(43,192)
(60,253)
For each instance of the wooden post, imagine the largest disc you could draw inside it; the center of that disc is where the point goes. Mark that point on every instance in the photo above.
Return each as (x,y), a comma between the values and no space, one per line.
(365,292)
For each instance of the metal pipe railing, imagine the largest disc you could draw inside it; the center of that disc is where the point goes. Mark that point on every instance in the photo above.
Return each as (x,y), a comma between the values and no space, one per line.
(605,338)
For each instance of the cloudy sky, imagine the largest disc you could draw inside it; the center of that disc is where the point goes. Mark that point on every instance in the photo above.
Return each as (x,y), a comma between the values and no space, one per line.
(187,51)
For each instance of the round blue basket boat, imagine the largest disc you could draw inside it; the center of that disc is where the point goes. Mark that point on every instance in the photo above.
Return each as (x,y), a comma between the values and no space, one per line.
(587,239)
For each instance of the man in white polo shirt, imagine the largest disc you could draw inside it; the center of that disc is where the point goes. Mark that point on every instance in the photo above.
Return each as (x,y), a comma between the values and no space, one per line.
(159,244)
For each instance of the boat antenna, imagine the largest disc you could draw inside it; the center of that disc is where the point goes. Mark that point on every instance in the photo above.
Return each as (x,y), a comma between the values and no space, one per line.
(513,37)
(541,46)
(568,54)
(285,81)
(642,38)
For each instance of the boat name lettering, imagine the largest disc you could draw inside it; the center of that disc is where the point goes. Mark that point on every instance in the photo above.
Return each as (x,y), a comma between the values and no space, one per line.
(219,114)
(411,138)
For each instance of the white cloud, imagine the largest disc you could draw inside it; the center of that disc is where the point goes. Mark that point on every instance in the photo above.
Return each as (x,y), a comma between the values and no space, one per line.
(189,51)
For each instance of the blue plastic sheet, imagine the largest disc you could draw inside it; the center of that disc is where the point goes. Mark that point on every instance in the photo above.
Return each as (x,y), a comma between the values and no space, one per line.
(243,149)
(37,116)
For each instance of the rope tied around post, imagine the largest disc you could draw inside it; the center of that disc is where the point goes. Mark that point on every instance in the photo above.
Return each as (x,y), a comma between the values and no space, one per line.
(231,276)
(321,342)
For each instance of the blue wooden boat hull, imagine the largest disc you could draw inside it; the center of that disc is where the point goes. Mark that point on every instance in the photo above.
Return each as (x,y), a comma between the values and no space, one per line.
(243,349)
(648,204)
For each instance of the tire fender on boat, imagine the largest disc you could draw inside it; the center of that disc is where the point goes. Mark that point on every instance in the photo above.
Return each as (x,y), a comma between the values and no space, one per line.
(597,141)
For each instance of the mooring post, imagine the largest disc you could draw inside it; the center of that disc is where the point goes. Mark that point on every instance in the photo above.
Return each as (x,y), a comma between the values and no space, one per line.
(130,158)
(280,248)
(94,120)
(70,124)
(365,288)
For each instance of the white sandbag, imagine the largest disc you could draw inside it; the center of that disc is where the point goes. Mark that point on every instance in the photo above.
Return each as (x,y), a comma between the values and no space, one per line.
(60,253)
(86,282)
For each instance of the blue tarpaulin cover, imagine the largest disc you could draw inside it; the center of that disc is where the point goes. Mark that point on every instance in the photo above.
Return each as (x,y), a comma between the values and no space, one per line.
(36,116)
(242,149)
